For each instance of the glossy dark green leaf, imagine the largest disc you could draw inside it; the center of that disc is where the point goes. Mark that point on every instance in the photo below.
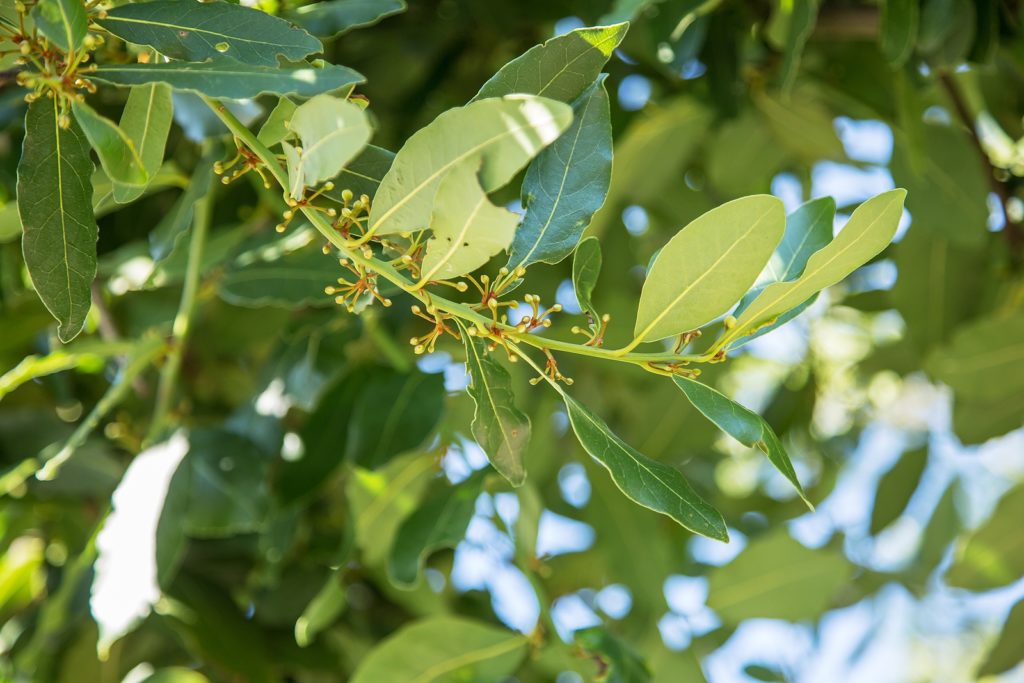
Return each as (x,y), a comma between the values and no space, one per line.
(586,267)
(116,151)
(1008,650)
(618,663)
(63,22)
(896,487)
(60,233)
(335,17)
(395,413)
(777,578)
(444,648)
(175,223)
(439,522)
(297,278)
(196,31)
(563,68)
(231,79)
(566,184)
(740,423)
(993,556)
(899,29)
(501,429)
(146,121)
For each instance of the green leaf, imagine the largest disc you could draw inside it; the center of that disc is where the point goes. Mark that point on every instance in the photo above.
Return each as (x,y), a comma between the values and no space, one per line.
(993,556)
(296,278)
(896,487)
(332,131)
(231,79)
(60,233)
(976,421)
(335,17)
(563,68)
(742,424)
(444,648)
(586,267)
(566,184)
(899,30)
(501,135)
(708,266)
(363,174)
(466,229)
(196,31)
(275,128)
(63,22)
(802,16)
(146,121)
(777,578)
(801,125)
(868,232)
(618,663)
(117,153)
(322,610)
(175,674)
(439,522)
(984,360)
(647,482)
(1008,650)
(175,223)
(395,413)
(501,429)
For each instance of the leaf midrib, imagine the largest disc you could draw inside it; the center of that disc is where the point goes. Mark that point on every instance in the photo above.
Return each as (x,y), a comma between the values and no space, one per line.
(470,657)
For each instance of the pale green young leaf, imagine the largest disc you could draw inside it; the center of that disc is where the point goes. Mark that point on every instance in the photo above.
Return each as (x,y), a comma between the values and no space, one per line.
(443,649)
(869,231)
(63,22)
(275,128)
(586,267)
(197,31)
(55,205)
(740,423)
(146,121)
(231,79)
(563,68)
(899,29)
(984,360)
(466,229)
(335,17)
(117,153)
(322,610)
(566,184)
(708,266)
(501,429)
(332,132)
(439,522)
(499,135)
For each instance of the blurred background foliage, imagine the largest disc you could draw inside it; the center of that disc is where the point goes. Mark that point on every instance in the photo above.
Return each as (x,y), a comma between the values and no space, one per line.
(899,394)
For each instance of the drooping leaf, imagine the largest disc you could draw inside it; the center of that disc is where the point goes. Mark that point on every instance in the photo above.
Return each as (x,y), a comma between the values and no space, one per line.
(896,487)
(708,266)
(335,17)
(899,29)
(332,131)
(275,129)
(176,222)
(993,556)
(124,586)
(444,648)
(499,135)
(395,413)
(322,610)
(439,522)
(586,267)
(868,232)
(777,578)
(63,22)
(740,423)
(231,79)
(296,278)
(618,662)
(984,360)
(146,121)
(1008,650)
(116,151)
(466,228)
(196,31)
(501,429)
(566,184)
(562,68)
(60,232)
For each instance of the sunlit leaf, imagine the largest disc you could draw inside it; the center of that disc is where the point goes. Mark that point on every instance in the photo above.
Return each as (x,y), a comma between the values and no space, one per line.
(992,556)
(146,121)
(332,131)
